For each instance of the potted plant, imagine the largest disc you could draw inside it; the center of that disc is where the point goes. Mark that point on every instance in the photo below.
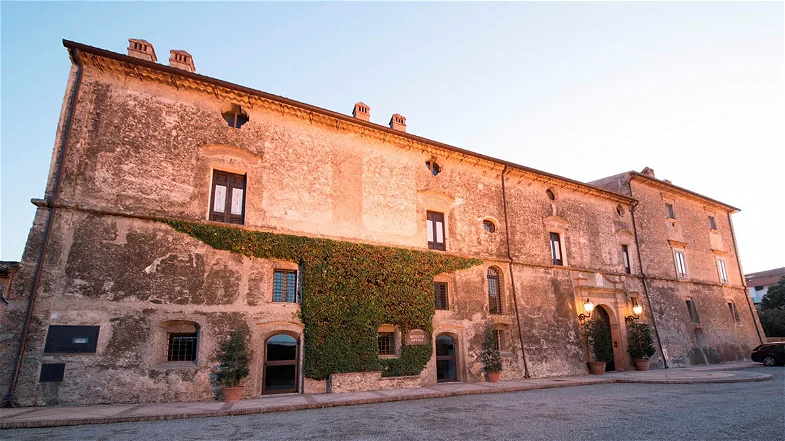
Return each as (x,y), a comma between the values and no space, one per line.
(234,359)
(641,345)
(599,338)
(491,357)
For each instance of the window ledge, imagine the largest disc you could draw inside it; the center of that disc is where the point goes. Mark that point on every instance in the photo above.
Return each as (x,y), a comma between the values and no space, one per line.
(507,354)
(388,357)
(171,365)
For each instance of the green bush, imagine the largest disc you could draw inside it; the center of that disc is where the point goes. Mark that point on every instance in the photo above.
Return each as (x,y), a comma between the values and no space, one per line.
(599,336)
(640,341)
(490,352)
(348,291)
(234,359)
(412,361)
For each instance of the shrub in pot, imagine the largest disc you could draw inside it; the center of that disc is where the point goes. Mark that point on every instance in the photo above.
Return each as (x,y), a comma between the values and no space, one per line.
(641,345)
(598,335)
(490,356)
(234,359)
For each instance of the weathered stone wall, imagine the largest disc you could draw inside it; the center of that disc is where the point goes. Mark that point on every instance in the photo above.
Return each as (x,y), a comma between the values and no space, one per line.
(142,149)
(717,337)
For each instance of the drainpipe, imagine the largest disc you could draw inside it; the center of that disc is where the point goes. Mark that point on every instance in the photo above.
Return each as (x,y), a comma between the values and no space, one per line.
(512,276)
(10,398)
(643,275)
(744,282)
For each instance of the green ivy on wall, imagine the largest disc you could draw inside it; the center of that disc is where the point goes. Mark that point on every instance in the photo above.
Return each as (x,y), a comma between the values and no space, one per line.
(348,291)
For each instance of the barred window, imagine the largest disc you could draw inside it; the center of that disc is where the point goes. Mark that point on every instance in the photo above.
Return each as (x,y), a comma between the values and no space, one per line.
(182,347)
(440,296)
(494,294)
(386,343)
(284,286)
(734,314)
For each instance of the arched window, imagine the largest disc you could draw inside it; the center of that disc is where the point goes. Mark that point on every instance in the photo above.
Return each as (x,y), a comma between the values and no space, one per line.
(494,293)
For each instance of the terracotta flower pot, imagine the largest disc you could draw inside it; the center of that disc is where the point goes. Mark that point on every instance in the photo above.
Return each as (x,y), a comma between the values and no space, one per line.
(232,394)
(597,367)
(641,364)
(493,377)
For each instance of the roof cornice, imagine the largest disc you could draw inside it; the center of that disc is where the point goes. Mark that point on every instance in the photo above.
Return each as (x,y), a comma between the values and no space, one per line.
(145,70)
(661,185)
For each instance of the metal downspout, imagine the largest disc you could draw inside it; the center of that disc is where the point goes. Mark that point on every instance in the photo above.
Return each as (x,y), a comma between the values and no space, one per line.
(10,398)
(744,282)
(643,275)
(512,276)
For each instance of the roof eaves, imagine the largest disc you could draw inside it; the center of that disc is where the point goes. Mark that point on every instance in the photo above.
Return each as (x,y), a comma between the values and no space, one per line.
(662,184)
(72,45)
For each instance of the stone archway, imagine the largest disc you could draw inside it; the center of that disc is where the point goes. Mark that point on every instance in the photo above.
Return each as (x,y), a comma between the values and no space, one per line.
(606,314)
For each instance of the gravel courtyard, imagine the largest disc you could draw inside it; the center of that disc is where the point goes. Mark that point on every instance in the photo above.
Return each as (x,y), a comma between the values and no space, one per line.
(737,411)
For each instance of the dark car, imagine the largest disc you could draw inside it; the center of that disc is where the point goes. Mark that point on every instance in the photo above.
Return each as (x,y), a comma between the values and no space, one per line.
(769,354)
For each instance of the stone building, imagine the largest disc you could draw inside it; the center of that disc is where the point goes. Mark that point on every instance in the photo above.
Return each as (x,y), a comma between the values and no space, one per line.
(114,305)
(758,283)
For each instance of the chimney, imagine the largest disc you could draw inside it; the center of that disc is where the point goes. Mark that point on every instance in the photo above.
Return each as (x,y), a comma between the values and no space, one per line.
(667,181)
(648,172)
(398,122)
(181,60)
(141,49)
(362,111)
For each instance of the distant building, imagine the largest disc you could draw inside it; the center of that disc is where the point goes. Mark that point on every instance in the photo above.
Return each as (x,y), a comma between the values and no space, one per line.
(758,283)
(7,272)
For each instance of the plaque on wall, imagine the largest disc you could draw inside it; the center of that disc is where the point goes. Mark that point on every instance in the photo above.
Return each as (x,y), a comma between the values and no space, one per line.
(416,337)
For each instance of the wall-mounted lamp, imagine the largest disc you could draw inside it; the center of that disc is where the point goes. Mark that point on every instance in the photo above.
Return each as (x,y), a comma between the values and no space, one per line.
(588,306)
(637,310)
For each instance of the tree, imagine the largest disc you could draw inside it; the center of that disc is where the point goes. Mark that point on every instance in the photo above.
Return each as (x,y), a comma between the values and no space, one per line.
(775,296)
(773,322)
(234,359)
(641,344)
(599,335)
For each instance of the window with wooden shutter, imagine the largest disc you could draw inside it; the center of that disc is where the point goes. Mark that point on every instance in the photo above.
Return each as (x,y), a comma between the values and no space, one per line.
(227,198)
(556,249)
(435,225)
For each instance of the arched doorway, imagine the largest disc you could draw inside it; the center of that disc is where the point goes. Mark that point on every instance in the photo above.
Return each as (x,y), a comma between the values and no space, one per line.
(445,359)
(280,365)
(602,314)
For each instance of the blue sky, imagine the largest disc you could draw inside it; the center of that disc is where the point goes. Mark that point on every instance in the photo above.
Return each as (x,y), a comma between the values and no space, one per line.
(584,90)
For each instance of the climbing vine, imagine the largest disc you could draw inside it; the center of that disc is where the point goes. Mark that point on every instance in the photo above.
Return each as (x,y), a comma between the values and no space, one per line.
(348,291)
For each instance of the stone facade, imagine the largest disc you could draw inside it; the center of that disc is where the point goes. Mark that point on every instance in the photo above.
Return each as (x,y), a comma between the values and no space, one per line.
(138,142)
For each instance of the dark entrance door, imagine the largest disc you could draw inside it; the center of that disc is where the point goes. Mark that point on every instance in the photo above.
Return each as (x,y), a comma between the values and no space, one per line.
(603,315)
(445,359)
(280,365)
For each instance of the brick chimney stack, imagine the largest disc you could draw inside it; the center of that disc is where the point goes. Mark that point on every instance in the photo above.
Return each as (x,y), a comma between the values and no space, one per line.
(141,49)
(181,60)
(648,172)
(362,111)
(398,122)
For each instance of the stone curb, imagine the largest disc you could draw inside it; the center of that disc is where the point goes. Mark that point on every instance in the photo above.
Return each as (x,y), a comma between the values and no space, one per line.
(352,402)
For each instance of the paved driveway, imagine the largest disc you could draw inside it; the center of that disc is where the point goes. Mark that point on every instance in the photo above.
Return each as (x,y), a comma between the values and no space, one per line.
(738,411)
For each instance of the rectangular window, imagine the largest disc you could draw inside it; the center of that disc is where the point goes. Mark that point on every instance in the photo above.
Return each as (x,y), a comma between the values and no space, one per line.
(722,271)
(440,296)
(734,314)
(681,265)
(71,340)
(227,198)
(386,343)
(52,373)
(693,312)
(435,223)
(669,210)
(625,254)
(285,286)
(712,223)
(556,249)
(182,347)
